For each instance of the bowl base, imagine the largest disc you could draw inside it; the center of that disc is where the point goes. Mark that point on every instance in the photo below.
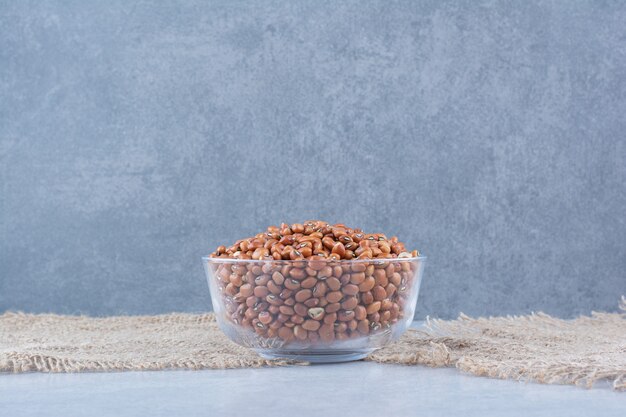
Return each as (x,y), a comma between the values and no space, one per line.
(319,356)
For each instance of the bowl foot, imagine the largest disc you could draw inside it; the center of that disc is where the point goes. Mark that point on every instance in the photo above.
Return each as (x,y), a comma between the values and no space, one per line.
(319,356)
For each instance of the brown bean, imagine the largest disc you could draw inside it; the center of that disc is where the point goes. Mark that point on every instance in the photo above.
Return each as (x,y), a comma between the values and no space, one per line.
(386,304)
(349,303)
(350,289)
(286,310)
(296,319)
(379,293)
(311,325)
(303,295)
(246,290)
(340,327)
(265,317)
(357,278)
(367,285)
(320,289)
(352,325)
(332,308)
(367,298)
(300,309)
(297,273)
(327,332)
(274,289)
(381,277)
(260,292)
(325,273)
(309,282)
(272,309)
(364,326)
(312,302)
(339,249)
(334,297)
(278,278)
(300,332)
(286,334)
(333,284)
(359,312)
(317,262)
(273,300)
(292,284)
(373,308)
(395,279)
(345,315)
(330,318)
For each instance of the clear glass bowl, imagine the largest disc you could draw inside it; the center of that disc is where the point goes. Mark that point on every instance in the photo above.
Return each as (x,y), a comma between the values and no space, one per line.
(314,310)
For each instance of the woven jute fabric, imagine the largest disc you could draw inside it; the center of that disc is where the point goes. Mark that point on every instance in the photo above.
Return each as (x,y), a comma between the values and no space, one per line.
(536,347)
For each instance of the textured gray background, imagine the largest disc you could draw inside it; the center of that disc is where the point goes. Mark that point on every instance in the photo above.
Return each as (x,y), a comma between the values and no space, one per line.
(134,138)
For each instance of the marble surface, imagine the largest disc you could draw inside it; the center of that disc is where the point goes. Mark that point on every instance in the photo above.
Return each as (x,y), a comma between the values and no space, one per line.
(351,389)
(136,136)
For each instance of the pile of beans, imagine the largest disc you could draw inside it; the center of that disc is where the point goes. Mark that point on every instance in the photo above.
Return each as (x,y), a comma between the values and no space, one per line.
(319,297)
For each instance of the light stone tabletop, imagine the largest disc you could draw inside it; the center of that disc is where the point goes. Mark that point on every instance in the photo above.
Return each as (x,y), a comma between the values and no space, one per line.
(357,389)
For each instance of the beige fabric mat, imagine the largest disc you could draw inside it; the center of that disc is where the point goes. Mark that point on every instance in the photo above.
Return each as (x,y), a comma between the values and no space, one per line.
(533,348)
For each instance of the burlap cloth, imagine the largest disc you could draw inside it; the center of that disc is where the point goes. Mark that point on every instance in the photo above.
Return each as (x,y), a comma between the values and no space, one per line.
(536,347)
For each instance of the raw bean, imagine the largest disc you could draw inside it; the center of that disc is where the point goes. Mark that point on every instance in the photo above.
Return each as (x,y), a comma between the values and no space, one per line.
(381,277)
(286,293)
(274,289)
(349,303)
(357,278)
(332,317)
(260,292)
(309,282)
(320,289)
(350,289)
(246,290)
(303,295)
(373,308)
(379,293)
(334,297)
(395,279)
(367,285)
(327,332)
(311,325)
(332,308)
(300,332)
(345,315)
(340,327)
(333,284)
(360,312)
(300,309)
(286,310)
(271,309)
(286,334)
(292,284)
(265,317)
(364,326)
(352,325)
(278,278)
(312,302)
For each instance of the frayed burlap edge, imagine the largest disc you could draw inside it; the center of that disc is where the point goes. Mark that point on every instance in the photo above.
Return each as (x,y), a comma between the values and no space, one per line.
(54,343)
(535,347)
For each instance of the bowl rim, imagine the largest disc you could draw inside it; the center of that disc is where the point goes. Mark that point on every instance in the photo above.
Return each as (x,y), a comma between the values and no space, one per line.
(288,261)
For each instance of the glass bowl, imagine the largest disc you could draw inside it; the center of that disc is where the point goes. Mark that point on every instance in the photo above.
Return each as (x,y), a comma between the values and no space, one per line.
(314,310)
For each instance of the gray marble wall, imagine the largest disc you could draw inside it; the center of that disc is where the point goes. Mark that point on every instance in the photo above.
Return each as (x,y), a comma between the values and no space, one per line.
(136,137)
